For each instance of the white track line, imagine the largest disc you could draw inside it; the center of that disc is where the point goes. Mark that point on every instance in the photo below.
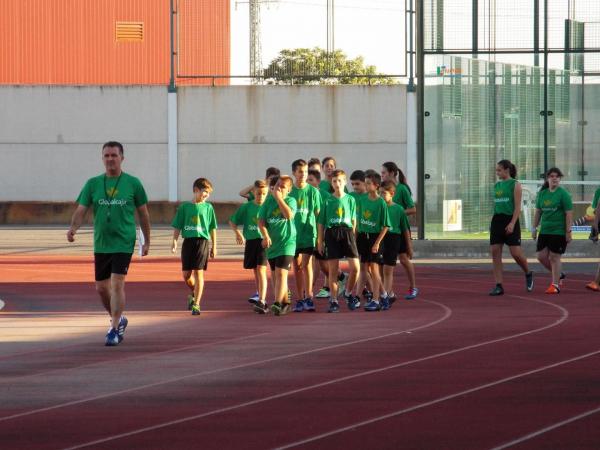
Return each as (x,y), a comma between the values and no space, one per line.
(2,304)
(436,401)
(447,314)
(564,316)
(549,428)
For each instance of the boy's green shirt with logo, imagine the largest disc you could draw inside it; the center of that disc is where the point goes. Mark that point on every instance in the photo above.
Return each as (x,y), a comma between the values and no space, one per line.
(372,215)
(338,212)
(282,231)
(308,201)
(247,215)
(195,220)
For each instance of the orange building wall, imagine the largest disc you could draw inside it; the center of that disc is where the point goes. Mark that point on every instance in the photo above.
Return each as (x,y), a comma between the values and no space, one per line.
(72,42)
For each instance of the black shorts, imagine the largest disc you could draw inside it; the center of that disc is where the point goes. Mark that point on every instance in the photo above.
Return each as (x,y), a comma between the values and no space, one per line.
(318,256)
(554,242)
(194,254)
(254,254)
(339,243)
(393,245)
(107,263)
(304,251)
(364,244)
(281,262)
(498,234)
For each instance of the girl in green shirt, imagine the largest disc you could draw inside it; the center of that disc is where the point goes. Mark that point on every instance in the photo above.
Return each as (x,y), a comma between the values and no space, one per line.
(403,196)
(553,206)
(505,227)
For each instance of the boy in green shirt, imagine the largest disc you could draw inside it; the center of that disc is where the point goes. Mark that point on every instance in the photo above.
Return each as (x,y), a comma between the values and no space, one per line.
(197,223)
(373,224)
(308,200)
(336,239)
(276,224)
(255,257)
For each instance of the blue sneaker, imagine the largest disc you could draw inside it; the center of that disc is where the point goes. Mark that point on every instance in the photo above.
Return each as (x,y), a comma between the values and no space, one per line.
(254,299)
(334,307)
(385,303)
(121,328)
(112,338)
(309,305)
(412,294)
(353,302)
(299,307)
(372,306)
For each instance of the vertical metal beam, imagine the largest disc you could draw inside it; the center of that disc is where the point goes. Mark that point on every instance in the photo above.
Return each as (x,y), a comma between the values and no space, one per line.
(545,69)
(411,47)
(172,87)
(420,23)
(475,26)
(536,32)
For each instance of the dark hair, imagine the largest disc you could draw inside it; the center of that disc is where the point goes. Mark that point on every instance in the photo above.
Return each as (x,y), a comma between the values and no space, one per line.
(260,184)
(389,186)
(507,165)
(375,178)
(391,166)
(358,175)
(286,180)
(273,180)
(298,163)
(272,171)
(327,159)
(313,161)
(550,171)
(114,144)
(203,183)
(315,173)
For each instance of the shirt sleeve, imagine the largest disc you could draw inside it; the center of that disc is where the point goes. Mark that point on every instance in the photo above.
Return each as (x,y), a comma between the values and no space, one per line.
(291,202)
(596,198)
(406,198)
(178,219)
(139,196)
(213,219)
(567,203)
(386,220)
(538,200)
(237,216)
(85,196)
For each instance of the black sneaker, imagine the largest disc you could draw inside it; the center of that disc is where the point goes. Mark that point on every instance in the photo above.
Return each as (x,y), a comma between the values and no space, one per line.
(334,307)
(498,290)
(562,277)
(529,281)
(392,299)
(261,308)
(285,308)
(276,308)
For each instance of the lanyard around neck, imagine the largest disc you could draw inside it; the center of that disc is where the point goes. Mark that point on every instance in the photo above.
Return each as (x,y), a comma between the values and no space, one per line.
(110,198)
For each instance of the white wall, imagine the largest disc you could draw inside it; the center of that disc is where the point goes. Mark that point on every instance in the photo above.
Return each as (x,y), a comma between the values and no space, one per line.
(50,137)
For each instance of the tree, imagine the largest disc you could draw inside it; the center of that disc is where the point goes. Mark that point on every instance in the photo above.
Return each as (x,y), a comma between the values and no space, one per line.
(317,66)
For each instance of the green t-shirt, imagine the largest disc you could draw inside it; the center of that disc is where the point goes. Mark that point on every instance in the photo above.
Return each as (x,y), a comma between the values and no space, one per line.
(504,197)
(403,196)
(251,196)
(398,219)
(195,220)
(356,196)
(247,215)
(114,210)
(281,230)
(308,201)
(372,215)
(338,212)
(325,186)
(596,198)
(553,206)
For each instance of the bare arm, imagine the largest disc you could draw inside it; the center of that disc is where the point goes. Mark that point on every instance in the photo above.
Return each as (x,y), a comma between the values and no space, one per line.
(239,237)
(213,238)
(536,222)
(76,221)
(246,191)
(320,234)
(411,211)
(286,211)
(145,225)
(569,221)
(174,241)
(409,249)
(266,242)
(380,237)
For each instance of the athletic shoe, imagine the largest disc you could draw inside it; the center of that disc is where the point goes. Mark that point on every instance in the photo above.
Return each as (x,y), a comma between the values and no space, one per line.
(372,306)
(412,294)
(334,306)
(276,308)
(195,310)
(553,289)
(323,292)
(299,306)
(498,290)
(385,303)
(309,305)
(562,277)
(529,281)
(261,308)
(353,302)
(254,299)
(592,286)
(348,297)
(367,295)
(342,280)
(190,302)
(112,338)
(285,308)
(121,328)
(392,299)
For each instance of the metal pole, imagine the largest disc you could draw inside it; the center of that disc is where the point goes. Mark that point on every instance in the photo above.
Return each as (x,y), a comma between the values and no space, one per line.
(475,26)
(172,87)
(545,85)
(411,49)
(420,119)
(536,32)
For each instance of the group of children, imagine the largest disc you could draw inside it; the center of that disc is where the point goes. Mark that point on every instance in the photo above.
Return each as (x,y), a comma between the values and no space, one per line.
(290,222)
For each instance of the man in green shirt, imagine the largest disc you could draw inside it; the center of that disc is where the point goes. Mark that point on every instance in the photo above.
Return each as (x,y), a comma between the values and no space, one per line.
(114,196)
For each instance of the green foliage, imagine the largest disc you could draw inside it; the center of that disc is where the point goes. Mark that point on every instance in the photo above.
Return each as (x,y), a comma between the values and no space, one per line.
(317,66)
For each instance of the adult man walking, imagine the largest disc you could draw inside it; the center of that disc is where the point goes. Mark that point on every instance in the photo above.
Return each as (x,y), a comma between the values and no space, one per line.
(114,197)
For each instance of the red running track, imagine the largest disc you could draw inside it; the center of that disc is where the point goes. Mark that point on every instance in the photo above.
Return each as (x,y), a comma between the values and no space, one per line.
(454,369)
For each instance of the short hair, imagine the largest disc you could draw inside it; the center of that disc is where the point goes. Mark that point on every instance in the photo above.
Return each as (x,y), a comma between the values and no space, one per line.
(327,159)
(389,186)
(272,171)
(338,173)
(273,180)
(298,163)
(357,175)
(114,144)
(260,184)
(314,161)
(286,180)
(375,178)
(370,172)
(203,183)
(315,173)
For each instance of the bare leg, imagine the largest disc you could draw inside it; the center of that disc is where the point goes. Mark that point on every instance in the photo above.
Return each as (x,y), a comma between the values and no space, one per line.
(375,280)
(261,275)
(199,277)
(333,278)
(281,285)
(354,271)
(388,278)
(517,253)
(496,251)
(543,258)
(299,276)
(117,297)
(409,268)
(556,265)
(103,289)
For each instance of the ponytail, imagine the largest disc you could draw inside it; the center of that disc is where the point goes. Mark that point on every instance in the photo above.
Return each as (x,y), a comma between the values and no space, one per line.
(507,165)
(391,167)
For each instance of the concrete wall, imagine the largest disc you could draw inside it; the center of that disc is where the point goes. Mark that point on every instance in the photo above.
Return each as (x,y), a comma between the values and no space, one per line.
(50,137)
